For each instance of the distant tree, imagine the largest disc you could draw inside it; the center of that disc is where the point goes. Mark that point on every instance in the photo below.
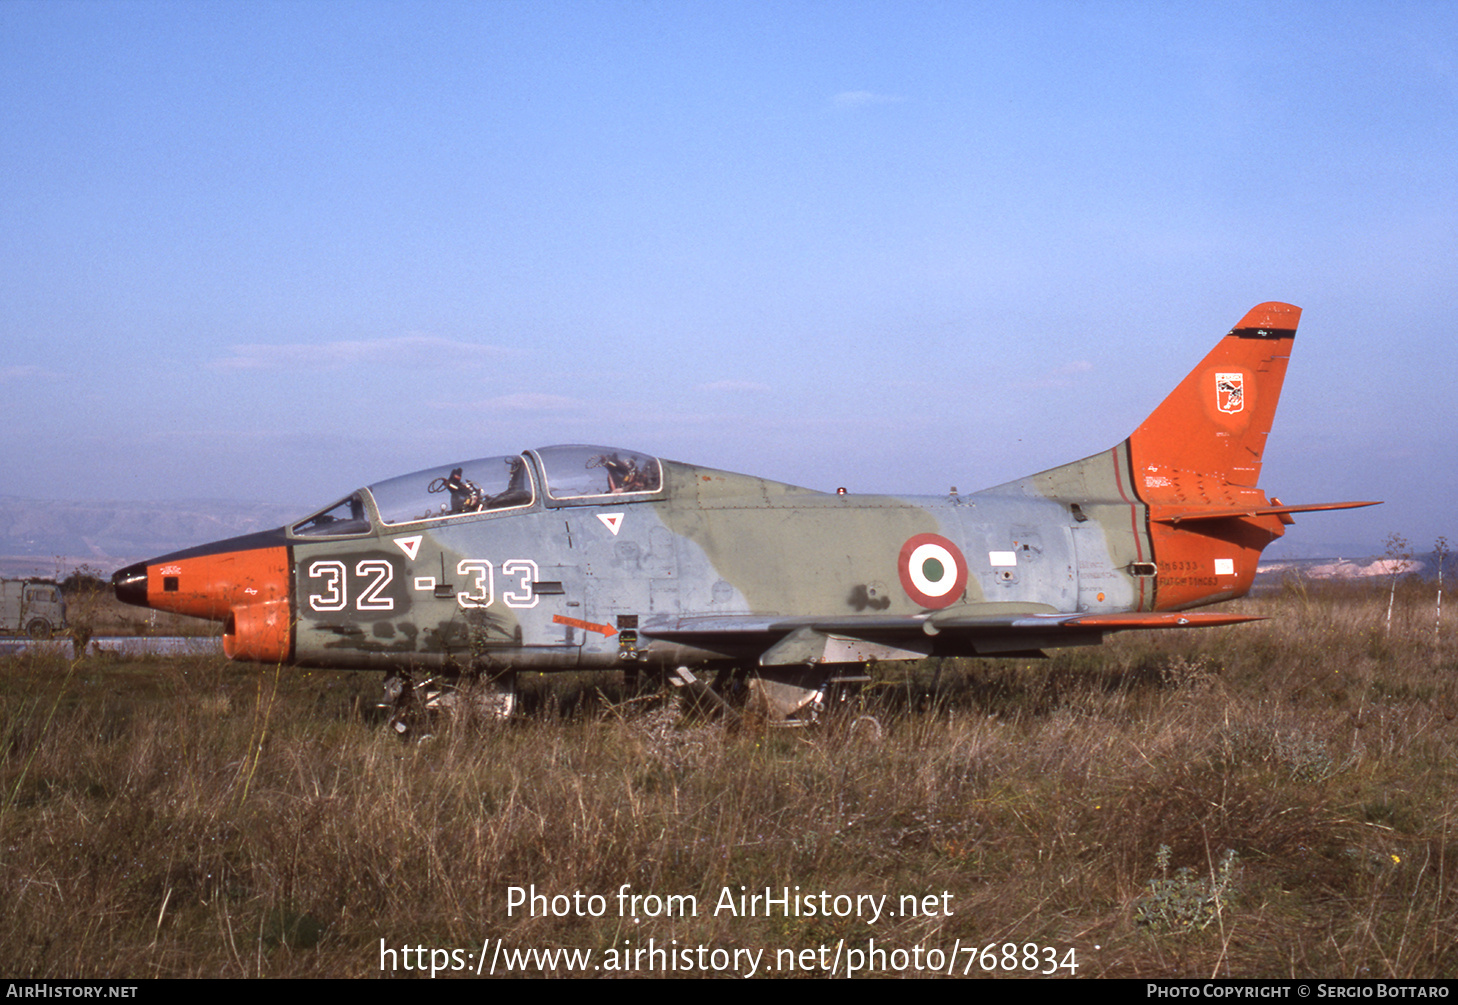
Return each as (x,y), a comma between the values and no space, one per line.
(83,583)
(85,589)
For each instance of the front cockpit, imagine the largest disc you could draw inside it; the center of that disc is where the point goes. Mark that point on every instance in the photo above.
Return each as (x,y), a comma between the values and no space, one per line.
(452,490)
(557,476)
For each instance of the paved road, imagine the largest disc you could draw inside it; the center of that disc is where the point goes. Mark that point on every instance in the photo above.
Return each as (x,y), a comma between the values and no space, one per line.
(127,645)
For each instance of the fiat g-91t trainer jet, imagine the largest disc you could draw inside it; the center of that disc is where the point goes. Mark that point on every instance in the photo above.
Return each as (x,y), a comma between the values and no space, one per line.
(589,557)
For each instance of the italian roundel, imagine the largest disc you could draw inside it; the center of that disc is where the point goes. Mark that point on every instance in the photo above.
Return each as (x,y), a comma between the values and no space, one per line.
(933,571)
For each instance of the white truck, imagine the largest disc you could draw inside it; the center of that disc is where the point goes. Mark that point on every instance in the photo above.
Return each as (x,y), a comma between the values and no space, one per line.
(31,606)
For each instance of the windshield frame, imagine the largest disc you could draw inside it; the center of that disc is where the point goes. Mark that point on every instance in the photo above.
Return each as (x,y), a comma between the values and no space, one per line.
(350,527)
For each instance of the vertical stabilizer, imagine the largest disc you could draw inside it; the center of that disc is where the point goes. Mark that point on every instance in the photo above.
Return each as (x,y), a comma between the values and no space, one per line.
(1176,504)
(1197,458)
(1204,443)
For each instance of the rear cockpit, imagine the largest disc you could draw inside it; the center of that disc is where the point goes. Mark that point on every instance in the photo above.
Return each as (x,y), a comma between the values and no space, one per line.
(573,475)
(582,473)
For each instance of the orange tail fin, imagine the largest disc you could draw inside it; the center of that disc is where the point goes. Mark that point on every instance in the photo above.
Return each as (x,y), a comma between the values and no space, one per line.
(1176,504)
(1204,442)
(1199,455)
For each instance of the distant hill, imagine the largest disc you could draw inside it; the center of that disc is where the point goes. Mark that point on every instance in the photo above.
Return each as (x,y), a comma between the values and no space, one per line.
(37,536)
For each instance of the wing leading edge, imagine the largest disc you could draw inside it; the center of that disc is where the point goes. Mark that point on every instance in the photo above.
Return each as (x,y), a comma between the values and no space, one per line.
(966,630)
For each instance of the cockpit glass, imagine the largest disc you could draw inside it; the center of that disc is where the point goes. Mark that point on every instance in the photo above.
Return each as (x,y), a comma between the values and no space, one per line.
(340,520)
(580,472)
(479,486)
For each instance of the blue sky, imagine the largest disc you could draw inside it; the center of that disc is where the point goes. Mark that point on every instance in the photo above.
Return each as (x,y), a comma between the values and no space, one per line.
(276,251)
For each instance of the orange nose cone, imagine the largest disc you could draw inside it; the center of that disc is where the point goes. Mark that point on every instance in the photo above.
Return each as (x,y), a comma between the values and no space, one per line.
(211,586)
(243,582)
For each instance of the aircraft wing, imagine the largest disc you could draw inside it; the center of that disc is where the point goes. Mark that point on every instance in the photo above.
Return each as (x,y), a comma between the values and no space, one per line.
(965,630)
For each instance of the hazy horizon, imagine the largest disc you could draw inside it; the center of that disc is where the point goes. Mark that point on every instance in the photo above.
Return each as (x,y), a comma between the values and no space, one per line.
(275,251)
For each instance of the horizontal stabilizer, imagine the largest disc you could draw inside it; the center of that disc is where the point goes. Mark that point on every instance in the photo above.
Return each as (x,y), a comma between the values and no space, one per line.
(1165,516)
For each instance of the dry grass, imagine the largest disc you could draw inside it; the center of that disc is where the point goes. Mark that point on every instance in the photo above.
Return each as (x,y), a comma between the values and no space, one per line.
(174,818)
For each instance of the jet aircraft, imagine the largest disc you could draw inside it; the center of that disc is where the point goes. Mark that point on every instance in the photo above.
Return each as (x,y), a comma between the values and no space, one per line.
(590,557)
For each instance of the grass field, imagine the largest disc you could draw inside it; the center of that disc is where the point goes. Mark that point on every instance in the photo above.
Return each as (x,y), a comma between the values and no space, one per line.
(1274,799)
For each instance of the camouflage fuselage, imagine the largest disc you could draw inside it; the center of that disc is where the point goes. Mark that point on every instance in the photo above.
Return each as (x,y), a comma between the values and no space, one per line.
(558,586)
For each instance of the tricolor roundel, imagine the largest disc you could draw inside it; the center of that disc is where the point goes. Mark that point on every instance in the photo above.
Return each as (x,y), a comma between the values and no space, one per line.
(933,571)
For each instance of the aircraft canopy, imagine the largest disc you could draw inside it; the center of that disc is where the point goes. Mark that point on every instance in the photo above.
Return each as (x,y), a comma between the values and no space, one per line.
(487,484)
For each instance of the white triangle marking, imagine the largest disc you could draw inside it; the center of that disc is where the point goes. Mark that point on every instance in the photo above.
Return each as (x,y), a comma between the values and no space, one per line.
(409,545)
(612,521)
